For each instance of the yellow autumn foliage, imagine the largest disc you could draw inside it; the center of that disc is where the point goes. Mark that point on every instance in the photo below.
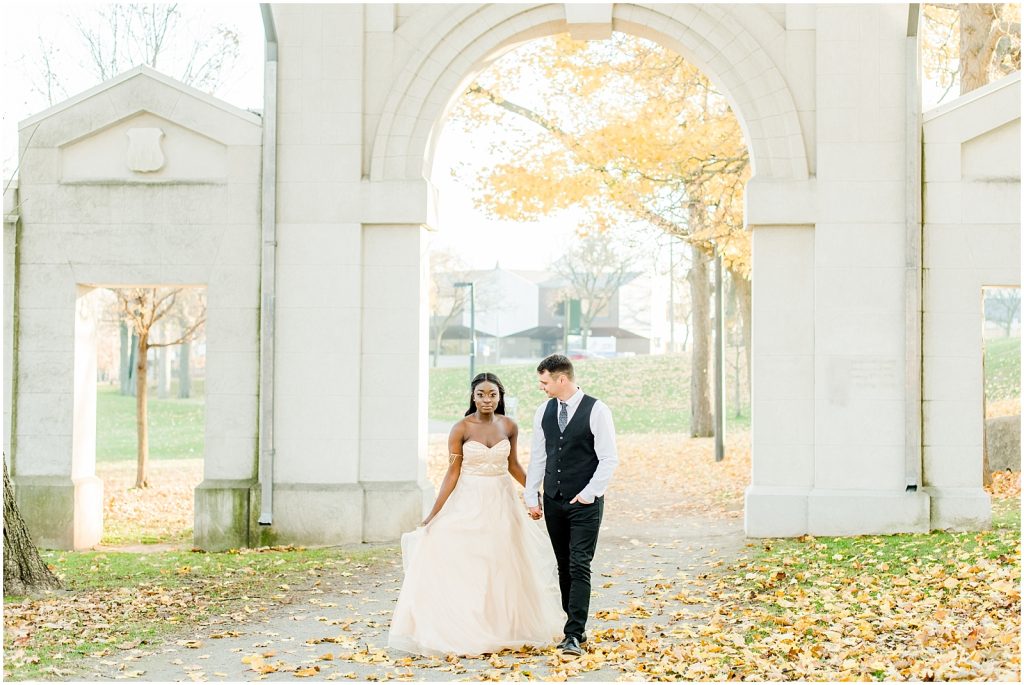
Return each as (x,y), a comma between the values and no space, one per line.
(623,129)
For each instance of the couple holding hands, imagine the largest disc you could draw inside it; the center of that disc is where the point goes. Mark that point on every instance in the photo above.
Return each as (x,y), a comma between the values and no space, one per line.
(480,573)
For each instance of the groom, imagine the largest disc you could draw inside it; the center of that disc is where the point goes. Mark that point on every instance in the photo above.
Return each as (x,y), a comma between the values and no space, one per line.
(573,453)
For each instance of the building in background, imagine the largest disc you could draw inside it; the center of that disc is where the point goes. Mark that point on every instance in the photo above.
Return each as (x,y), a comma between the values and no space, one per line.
(521,315)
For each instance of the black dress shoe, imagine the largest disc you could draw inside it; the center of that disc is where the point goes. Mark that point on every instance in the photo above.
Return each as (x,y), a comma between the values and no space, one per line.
(571,646)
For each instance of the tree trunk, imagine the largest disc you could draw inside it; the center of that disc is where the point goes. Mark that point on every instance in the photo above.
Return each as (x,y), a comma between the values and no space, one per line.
(976,45)
(738,394)
(1011,308)
(437,348)
(185,371)
(133,362)
(24,570)
(126,359)
(744,295)
(141,418)
(701,423)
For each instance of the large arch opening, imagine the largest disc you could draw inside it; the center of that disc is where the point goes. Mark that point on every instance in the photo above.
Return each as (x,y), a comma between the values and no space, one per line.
(726,44)
(408,137)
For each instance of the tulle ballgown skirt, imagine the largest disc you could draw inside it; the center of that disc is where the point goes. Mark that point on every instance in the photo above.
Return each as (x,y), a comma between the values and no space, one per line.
(481,577)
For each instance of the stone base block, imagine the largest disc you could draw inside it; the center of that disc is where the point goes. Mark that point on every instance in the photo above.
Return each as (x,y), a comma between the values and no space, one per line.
(867,512)
(61,513)
(222,514)
(775,512)
(960,508)
(310,514)
(393,508)
(1002,443)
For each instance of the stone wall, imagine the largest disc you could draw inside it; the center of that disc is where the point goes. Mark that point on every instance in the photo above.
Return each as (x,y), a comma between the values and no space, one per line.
(140,181)
(971,240)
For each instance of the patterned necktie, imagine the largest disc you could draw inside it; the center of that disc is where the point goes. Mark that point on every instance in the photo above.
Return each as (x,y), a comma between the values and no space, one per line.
(563,416)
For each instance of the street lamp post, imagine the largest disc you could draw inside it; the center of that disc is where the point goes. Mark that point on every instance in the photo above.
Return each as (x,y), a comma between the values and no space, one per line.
(472,325)
(719,360)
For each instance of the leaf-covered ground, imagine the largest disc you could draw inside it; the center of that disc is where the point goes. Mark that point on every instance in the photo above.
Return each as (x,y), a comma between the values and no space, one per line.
(115,604)
(938,606)
(160,514)
(660,475)
(679,594)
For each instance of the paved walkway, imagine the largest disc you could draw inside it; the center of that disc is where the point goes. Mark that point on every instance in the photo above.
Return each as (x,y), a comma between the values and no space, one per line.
(638,566)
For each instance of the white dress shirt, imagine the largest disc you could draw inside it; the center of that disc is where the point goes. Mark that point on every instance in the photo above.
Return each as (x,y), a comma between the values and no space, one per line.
(603,428)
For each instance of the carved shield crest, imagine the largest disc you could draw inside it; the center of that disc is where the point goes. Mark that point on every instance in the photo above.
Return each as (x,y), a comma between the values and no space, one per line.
(144,153)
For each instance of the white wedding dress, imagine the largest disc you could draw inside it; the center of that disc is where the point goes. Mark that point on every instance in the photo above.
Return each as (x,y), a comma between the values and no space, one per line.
(481,576)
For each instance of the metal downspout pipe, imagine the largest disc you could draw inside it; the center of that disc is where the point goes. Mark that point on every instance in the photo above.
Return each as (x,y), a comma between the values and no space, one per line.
(268,269)
(913,284)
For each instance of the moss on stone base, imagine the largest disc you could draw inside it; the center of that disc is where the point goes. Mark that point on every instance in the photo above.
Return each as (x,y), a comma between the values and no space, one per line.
(222,514)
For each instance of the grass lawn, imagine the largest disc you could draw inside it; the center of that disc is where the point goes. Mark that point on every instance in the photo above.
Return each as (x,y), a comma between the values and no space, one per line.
(647,393)
(1002,377)
(116,601)
(1002,368)
(175,426)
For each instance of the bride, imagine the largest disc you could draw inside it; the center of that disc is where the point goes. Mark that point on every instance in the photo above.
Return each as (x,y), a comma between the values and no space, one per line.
(479,573)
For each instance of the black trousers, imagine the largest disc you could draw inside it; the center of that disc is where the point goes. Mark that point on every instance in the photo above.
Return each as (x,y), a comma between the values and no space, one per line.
(573,530)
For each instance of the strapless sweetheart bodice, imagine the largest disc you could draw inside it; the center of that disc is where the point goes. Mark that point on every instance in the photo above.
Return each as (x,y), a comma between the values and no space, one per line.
(480,460)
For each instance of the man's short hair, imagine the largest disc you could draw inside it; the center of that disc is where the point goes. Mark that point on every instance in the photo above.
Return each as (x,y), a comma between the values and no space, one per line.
(557,363)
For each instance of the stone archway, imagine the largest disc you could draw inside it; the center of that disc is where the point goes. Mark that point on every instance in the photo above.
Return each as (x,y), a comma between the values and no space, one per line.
(714,37)
(739,47)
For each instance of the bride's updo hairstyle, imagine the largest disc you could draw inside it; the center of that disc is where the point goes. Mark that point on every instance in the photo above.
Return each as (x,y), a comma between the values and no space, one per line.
(489,378)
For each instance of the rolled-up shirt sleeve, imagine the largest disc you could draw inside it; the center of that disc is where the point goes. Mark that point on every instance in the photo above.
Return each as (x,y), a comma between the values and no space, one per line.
(603,428)
(538,458)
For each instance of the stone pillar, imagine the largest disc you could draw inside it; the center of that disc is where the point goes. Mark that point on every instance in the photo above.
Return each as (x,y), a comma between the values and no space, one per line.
(317,498)
(393,394)
(953,392)
(55,447)
(782,431)
(224,515)
(860,479)
(222,500)
(88,487)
